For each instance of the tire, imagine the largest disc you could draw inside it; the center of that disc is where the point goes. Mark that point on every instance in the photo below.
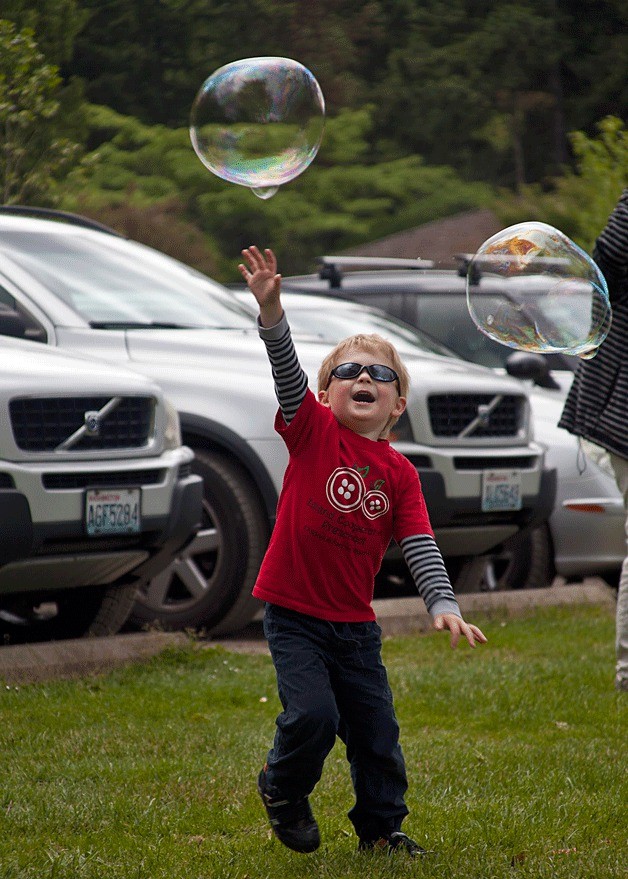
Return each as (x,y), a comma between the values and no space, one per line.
(73,613)
(525,562)
(209,585)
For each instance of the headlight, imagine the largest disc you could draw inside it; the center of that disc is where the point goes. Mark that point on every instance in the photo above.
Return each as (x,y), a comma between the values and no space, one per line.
(598,455)
(172,434)
(402,431)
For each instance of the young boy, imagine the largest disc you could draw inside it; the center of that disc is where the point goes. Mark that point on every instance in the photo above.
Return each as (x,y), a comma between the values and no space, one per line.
(346,492)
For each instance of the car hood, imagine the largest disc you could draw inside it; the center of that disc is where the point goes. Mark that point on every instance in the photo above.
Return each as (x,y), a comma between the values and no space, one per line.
(33,368)
(242,353)
(547,406)
(226,375)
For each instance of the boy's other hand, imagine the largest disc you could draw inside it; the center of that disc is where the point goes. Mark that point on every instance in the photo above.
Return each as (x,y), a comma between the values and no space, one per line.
(264,283)
(458,627)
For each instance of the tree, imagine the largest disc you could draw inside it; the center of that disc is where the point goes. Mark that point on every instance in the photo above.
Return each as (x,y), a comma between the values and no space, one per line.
(580,201)
(31,153)
(490,87)
(55,22)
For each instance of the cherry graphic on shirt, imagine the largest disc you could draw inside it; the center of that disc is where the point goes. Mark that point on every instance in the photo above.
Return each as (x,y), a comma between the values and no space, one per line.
(375,504)
(345,489)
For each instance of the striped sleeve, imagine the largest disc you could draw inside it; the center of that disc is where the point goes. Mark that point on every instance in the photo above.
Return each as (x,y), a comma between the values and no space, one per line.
(611,247)
(290,379)
(430,576)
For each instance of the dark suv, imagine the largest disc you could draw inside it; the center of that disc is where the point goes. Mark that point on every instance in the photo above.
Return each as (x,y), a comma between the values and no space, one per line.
(433,300)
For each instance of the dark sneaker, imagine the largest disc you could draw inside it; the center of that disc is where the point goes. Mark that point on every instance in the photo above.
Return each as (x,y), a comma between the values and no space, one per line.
(395,841)
(291,820)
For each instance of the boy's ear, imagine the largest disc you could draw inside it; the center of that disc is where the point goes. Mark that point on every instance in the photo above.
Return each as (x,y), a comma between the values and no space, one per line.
(400,407)
(323,397)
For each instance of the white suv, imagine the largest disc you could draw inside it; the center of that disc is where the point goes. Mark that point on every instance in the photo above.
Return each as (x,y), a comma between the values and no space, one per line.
(96,492)
(70,283)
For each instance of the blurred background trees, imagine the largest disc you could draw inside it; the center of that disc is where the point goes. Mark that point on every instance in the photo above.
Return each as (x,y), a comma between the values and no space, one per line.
(433,108)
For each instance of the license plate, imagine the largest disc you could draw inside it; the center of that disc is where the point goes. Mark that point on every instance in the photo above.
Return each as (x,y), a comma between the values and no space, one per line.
(501,490)
(112,511)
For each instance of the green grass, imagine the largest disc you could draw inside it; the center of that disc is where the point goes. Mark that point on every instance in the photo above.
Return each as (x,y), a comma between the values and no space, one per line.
(516,756)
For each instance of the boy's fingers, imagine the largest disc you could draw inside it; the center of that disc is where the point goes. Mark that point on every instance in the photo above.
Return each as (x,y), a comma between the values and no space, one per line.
(479,634)
(251,258)
(272,260)
(258,259)
(458,627)
(469,636)
(473,634)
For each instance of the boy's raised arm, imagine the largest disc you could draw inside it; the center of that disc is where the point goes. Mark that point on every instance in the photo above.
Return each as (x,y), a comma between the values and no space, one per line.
(264,283)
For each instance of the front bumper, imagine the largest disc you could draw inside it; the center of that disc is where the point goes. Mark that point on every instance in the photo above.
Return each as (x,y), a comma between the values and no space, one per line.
(460,526)
(48,555)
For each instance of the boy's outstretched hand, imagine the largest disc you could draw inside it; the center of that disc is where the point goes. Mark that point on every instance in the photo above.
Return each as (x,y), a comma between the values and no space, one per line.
(264,283)
(458,627)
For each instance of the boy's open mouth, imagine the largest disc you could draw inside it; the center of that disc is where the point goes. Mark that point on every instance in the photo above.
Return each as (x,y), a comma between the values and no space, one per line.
(363,397)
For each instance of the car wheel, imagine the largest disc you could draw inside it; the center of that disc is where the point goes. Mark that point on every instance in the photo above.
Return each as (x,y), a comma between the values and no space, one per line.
(73,613)
(525,562)
(209,585)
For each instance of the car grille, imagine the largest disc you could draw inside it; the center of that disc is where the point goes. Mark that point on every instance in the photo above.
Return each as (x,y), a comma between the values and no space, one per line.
(44,424)
(475,415)
(125,479)
(492,462)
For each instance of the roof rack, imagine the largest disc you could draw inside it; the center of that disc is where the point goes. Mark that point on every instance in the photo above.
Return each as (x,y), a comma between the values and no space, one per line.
(464,261)
(331,266)
(54,214)
(549,263)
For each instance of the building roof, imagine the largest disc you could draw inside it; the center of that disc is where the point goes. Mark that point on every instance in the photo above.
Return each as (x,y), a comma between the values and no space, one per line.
(438,240)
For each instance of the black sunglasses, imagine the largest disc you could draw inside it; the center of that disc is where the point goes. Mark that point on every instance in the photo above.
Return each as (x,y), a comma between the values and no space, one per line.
(377,371)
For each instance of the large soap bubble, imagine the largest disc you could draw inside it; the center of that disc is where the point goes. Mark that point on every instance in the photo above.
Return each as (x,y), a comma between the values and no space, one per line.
(258,122)
(530,287)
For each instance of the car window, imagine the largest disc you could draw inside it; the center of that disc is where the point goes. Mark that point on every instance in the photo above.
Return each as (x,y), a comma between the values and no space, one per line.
(6,298)
(110,281)
(26,324)
(447,319)
(391,303)
(335,325)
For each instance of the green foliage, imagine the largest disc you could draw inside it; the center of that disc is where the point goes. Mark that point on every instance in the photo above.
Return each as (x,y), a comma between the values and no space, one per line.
(580,201)
(514,754)
(340,201)
(346,137)
(56,24)
(489,89)
(32,154)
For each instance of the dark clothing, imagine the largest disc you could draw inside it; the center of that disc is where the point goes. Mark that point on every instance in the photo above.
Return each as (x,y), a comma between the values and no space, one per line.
(331,681)
(597,404)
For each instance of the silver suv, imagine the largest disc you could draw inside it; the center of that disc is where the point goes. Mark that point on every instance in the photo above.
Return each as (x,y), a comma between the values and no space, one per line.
(70,283)
(96,492)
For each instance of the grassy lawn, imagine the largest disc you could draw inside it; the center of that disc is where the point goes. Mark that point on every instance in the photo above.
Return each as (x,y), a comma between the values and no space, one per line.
(516,757)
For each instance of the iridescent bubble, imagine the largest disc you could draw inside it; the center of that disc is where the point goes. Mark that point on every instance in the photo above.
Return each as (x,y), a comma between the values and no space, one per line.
(530,287)
(258,122)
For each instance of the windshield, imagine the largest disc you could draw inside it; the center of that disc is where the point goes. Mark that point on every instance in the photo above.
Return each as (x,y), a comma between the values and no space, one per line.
(333,326)
(112,283)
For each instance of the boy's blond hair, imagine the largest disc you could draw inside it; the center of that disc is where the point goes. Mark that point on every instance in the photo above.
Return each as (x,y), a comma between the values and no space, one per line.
(371,344)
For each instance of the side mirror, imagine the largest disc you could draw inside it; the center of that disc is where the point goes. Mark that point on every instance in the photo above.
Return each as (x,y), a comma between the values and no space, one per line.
(532,366)
(11,322)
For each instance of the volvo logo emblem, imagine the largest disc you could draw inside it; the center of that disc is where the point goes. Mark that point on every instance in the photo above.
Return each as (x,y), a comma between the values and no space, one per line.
(92,423)
(484,414)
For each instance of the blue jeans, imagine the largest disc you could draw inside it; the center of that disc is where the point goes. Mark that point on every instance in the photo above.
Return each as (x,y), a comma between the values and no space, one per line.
(332,681)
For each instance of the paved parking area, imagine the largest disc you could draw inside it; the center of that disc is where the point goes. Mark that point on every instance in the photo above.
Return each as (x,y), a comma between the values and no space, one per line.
(28,663)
